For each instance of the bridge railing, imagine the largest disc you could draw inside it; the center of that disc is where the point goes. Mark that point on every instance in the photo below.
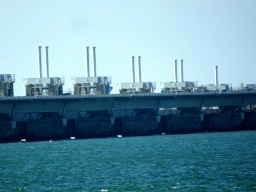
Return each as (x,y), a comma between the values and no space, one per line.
(126,95)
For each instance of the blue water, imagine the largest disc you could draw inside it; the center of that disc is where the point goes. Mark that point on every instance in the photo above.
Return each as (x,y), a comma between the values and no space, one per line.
(190,162)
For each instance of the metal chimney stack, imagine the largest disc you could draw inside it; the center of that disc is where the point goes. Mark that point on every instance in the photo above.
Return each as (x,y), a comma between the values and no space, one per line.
(94,61)
(216,75)
(175,71)
(39,62)
(46,62)
(87,62)
(132,66)
(181,70)
(139,69)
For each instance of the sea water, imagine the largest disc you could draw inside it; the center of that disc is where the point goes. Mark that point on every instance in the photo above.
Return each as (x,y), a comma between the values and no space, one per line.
(224,161)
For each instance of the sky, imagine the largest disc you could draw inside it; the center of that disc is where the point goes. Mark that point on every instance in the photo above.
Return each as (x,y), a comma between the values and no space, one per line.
(203,33)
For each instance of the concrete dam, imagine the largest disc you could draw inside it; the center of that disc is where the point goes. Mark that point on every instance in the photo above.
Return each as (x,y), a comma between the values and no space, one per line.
(34,118)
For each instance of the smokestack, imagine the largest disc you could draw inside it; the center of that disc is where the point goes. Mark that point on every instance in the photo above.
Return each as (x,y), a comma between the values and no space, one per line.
(87,62)
(94,61)
(181,70)
(46,62)
(216,75)
(175,71)
(139,69)
(132,65)
(39,62)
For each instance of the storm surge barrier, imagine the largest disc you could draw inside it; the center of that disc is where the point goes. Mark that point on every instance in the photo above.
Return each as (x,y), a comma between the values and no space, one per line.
(84,116)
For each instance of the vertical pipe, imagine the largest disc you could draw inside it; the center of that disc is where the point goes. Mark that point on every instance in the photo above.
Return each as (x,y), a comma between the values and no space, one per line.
(39,62)
(139,69)
(181,70)
(46,62)
(87,62)
(175,71)
(94,61)
(216,75)
(132,66)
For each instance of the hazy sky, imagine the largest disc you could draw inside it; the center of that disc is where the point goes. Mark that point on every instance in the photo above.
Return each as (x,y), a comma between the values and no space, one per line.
(203,33)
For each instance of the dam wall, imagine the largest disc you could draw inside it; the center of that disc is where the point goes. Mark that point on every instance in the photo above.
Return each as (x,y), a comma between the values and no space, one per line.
(62,117)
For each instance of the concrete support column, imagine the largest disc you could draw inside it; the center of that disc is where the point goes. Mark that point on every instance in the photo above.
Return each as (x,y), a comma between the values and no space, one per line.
(64,121)
(13,123)
(112,119)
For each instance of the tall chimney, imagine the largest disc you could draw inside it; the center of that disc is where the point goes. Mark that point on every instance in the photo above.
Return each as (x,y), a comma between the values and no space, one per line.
(132,65)
(87,62)
(139,69)
(94,61)
(39,62)
(216,75)
(175,71)
(181,70)
(46,62)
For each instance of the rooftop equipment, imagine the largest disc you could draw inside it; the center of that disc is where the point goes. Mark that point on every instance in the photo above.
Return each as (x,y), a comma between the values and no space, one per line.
(39,62)
(133,87)
(94,61)
(91,85)
(44,86)
(87,62)
(6,85)
(132,67)
(216,75)
(139,69)
(46,62)
(171,87)
(181,70)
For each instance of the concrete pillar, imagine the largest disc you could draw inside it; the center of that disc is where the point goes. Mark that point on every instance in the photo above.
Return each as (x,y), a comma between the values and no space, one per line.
(132,66)
(46,62)
(87,62)
(64,121)
(94,61)
(39,62)
(139,69)
(13,123)
(175,71)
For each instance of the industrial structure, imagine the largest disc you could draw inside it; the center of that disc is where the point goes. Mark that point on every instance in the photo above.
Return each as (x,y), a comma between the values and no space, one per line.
(136,87)
(91,85)
(182,86)
(6,85)
(47,86)
(182,107)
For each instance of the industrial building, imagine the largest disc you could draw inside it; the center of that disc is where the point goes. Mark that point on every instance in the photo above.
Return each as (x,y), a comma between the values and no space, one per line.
(44,86)
(136,87)
(171,87)
(91,85)
(6,85)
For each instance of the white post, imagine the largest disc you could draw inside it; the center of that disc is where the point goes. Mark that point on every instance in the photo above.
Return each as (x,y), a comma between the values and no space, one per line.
(94,61)
(46,62)
(216,75)
(132,66)
(175,71)
(181,70)
(87,62)
(139,69)
(39,62)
